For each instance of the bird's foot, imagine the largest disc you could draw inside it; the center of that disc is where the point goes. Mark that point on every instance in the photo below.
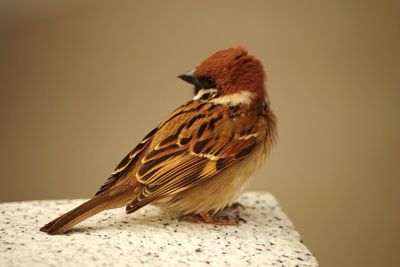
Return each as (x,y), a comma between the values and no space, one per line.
(218,220)
(236,205)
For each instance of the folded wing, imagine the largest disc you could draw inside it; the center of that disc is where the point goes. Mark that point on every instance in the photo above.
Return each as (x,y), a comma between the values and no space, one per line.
(195,143)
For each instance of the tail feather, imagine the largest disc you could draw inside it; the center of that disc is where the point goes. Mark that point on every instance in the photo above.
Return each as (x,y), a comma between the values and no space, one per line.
(91,207)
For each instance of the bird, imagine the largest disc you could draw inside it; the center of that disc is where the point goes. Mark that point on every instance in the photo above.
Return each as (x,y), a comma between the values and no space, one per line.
(201,157)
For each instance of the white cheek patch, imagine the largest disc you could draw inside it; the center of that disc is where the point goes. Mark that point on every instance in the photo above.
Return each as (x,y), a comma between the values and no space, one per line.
(202,92)
(240,98)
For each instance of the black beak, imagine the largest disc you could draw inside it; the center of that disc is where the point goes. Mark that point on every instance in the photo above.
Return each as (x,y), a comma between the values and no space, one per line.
(190,77)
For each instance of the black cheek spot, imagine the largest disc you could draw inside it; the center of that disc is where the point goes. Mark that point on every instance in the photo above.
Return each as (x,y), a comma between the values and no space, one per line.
(234,109)
(205,96)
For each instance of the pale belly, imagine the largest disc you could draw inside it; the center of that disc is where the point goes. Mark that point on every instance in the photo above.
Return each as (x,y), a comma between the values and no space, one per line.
(219,191)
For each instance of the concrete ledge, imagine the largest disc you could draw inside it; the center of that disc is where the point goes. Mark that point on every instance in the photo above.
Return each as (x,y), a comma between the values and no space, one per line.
(149,238)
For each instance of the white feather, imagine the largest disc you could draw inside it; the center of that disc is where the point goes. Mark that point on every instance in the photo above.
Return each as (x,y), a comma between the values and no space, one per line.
(240,98)
(204,91)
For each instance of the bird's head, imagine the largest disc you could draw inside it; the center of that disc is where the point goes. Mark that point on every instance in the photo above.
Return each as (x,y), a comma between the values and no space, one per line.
(229,71)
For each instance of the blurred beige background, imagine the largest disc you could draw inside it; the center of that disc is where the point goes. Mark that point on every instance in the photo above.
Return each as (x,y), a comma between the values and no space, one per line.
(83,81)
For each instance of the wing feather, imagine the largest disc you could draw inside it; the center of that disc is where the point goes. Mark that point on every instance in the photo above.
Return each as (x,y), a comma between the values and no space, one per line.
(127,163)
(195,143)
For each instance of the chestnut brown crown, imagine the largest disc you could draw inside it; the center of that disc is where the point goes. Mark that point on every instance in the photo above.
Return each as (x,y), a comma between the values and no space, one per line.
(230,70)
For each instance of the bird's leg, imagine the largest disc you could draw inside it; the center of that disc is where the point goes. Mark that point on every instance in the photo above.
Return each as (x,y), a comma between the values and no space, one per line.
(208,218)
(236,205)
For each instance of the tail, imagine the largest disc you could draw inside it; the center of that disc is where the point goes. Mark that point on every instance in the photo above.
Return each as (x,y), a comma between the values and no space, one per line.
(91,207)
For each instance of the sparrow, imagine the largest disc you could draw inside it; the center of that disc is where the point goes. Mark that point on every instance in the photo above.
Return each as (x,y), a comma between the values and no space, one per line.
(199,159)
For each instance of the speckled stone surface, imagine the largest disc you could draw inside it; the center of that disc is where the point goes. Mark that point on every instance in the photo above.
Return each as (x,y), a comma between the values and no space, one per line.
(150,238)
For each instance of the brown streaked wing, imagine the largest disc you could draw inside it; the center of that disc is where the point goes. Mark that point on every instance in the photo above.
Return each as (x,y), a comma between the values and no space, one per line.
(195,148)
(125,165)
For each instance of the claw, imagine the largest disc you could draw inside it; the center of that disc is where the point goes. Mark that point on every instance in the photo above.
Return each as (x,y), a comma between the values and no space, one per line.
(236,205)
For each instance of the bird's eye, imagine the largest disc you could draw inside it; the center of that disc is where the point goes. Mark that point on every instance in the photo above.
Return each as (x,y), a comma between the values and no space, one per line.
(207,83)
